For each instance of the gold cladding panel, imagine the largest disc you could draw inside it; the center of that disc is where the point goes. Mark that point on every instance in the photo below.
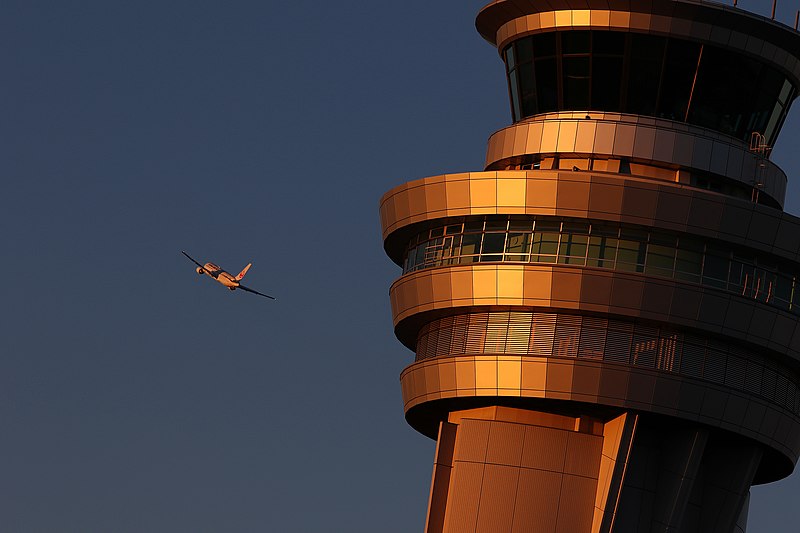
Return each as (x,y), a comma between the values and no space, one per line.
(457,194)
(581,17)
(509,376)
(484,284)
(511,194)
(549,137)
(567,287)
(483,196)
(495,376)
(545,191)
(617,135)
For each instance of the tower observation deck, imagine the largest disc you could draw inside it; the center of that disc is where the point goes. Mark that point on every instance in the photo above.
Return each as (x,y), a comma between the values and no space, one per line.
(606,318)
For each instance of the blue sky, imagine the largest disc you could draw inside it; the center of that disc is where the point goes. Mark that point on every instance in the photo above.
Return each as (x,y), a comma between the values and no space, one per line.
(136,396)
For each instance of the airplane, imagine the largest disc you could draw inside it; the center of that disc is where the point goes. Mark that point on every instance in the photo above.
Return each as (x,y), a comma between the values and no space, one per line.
(232,282)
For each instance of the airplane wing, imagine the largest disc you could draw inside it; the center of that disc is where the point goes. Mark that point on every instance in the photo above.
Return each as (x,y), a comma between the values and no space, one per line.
(193,261)
(247,289)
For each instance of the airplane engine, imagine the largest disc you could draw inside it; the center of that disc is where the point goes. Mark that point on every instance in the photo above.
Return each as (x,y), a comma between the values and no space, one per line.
(199,270)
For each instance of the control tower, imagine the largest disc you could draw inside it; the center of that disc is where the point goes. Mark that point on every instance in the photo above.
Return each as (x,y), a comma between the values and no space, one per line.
(605,318)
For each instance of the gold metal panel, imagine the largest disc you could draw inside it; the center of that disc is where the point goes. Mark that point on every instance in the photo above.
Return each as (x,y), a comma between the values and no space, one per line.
(461,284)
(680,27)
(576,510)
(402,298)
(622,386)
(586,379)
(604,138)
(563,18)
(674,143)
(534,374)
(549,137)
(664,145)
(566,136)
(559,376)
(503,33)
(457,191)
(620,19)
(506,441)
(542,194)
(461,513)
(440,285)
(537,284)
(484,283)
(416,197)
(511,192)
(537,508)
(424,288)
(447,376)
(660,24)
(581,17)
(547,20)
(509,376)
(486,375)
(573,194)
(600,18)
(520,140)
(465,374)
(505,140)
(584,136)
(640,21)
(623,140)
(418,385)
(483,195)
(644,143)
(510,283)
(533,141)
(497,500)
(532,22)
(402,209)
(436,197)
(432,384)
(566,287)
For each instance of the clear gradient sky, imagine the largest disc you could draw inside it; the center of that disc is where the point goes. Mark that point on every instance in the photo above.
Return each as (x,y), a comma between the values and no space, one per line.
(136,396)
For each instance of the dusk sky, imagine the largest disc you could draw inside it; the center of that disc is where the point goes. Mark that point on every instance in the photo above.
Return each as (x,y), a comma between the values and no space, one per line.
(136,396)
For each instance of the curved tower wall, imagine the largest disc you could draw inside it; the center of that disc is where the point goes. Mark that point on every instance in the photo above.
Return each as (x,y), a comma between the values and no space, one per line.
(605,319)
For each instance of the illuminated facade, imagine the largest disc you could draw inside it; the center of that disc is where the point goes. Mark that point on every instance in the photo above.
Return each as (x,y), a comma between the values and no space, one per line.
(605,319)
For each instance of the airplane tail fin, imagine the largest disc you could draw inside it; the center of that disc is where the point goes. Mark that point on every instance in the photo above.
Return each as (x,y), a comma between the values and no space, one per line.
(244,271)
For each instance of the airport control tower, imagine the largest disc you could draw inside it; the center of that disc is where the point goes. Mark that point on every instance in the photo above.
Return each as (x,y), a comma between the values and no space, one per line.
(605,318)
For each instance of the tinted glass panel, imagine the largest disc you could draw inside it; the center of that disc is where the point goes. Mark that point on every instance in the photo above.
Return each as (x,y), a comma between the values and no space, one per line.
(546,86)
(524,50)
(606,83)
(494,243)
(575,42)
(646,59)
(576,82)
(544,44)
(679,70)
(647,75)
(509,58)
(608,43)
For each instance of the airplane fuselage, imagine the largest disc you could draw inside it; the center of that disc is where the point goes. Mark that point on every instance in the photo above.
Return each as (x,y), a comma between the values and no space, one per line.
(228,280)
(215,272)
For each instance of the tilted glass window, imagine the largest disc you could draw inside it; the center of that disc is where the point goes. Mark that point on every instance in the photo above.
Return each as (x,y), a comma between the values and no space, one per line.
(599,70)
